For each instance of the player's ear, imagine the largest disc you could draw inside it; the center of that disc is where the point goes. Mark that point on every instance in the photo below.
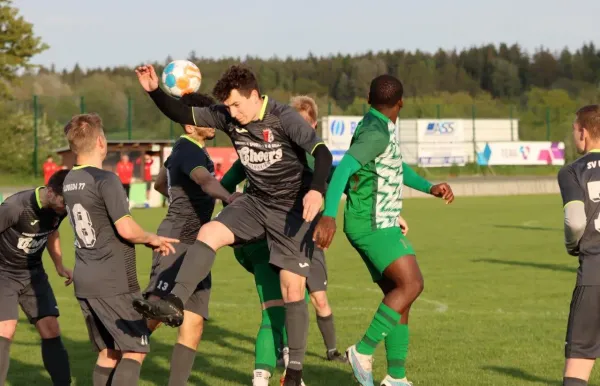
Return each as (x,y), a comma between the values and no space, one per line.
(400,104)
(189,129)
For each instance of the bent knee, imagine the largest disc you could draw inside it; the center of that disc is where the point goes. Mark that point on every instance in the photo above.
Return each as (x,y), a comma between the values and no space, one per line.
(48,327)
(416,287)
(215,235)
(319,301)
(8,328)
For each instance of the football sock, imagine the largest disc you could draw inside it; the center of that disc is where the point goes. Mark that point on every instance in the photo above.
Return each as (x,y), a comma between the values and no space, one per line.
(384,321)
(574,382)
(327,329)
(268,339)
(396,350)
(127,373)
(56,361)
(103,376)
(182,362)
(296,324)
(4,358)
(196,266)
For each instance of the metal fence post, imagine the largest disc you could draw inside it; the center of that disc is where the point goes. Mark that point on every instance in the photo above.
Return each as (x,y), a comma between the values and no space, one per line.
(129,117)
(35,136)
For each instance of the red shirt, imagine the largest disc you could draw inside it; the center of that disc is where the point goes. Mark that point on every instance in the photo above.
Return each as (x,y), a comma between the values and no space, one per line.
(147,168)
(125,172)
(49,169)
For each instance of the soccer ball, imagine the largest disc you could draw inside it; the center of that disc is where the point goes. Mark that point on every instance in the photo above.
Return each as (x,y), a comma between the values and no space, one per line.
(181,77)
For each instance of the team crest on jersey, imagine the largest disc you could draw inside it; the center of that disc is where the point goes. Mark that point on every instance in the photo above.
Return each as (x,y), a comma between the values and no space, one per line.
(268,135)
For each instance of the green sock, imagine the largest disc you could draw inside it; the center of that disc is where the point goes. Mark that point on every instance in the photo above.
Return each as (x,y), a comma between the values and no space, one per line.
(396,350)
(269,339)
(384,321)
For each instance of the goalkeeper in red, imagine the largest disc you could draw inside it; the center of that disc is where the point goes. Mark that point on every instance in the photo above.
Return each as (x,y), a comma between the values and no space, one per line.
(372,174)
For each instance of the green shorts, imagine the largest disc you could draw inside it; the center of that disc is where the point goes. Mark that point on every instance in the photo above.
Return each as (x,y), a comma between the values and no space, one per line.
(380,248)
(252,254)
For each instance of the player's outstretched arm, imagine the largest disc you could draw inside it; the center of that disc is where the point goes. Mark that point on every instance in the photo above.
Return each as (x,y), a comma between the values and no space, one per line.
(415,181)
(574,209)
(129,230)
(234,176)
(55,253)
(161,183)
(211,186)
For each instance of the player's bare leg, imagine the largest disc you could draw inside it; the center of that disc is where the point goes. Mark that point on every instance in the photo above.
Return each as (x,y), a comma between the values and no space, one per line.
(7,332)
(54,354)
(196,266)
(577,371)
(293,287)
(105,367)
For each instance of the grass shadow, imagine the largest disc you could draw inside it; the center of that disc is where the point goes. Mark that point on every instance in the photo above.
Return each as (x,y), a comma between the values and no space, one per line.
(550,267)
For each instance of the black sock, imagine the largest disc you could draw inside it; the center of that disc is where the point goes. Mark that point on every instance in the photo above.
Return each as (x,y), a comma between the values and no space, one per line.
(196,266)
(182,362)
(127,373)
(56,361)
(574,382)
(103,375)
(296,324)
(328,331)
(4,358)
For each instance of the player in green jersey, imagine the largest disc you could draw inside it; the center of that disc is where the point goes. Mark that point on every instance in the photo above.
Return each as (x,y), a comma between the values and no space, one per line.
(372,174)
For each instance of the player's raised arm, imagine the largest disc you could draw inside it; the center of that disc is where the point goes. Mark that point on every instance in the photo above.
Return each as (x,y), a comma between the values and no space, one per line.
(573,198)
(177,111)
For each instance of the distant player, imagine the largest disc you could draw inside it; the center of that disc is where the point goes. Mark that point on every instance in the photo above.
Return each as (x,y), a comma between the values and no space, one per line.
(125,172)
(29,221)
(187,180)
(372,174)
(148,161)
(580,189)
(105,266)
(49,168)
(282,200)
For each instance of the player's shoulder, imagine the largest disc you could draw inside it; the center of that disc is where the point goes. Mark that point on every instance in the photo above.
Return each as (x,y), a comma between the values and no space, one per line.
(20,200)
(281,110)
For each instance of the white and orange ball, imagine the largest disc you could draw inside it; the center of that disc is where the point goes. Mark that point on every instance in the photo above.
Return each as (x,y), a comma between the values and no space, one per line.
(181,77)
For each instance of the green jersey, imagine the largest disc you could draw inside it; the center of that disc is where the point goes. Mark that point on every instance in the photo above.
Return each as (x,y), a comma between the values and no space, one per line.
(374,192)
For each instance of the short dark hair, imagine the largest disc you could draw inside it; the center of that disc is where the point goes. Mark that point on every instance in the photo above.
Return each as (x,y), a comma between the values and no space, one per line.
(196,99)
(588,118)
(237,77)
(57,180)
(385,91)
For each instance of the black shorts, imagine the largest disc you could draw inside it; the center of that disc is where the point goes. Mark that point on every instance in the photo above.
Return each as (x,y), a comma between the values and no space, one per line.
(288,235)
(113,324)
(127,188)
(162,280)
(34,294)
(583,328)
(317,279)
(148,185)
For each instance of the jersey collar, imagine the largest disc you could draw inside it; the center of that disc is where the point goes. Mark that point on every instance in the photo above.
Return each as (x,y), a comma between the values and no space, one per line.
(37,196)
(378,114)
(263,110)
(192,140)
(77,167)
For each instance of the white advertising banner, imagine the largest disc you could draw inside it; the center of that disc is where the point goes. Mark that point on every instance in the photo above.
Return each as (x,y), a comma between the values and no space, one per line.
(441,142)
(339,134)
(520,153)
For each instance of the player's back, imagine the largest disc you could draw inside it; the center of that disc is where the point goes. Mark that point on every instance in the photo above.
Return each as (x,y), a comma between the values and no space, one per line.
(104,262)
(189,206)
(374,193)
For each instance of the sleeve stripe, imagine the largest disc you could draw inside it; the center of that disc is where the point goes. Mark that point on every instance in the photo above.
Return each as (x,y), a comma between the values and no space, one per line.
(314,147)
(572,202)
(127,215)
(197,167)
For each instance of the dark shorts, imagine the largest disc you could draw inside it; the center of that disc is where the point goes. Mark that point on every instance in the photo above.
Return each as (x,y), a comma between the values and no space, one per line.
(127,188)
(317,280)
(583,328)
(112,323)
(162,280)
(33,294)
(148,185)
(289,237)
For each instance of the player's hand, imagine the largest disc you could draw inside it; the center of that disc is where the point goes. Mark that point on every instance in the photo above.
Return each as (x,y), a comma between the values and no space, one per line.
(324,232)
(312,202)
(403,225)
(444,191)
(234,196)
(147,77)
(162,245)
(66,273)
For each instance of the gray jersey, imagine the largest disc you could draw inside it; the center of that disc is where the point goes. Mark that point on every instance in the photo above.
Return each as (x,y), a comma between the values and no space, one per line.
(104,262)
(580,182)
(24,230)
(272,149)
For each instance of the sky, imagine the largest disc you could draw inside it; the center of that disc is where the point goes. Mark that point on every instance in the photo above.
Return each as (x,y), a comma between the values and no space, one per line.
(105,33)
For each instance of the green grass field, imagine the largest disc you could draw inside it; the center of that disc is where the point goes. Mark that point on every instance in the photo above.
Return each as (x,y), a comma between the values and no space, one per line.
(497,290)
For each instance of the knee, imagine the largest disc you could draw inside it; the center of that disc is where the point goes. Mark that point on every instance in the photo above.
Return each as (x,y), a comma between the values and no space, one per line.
(320,302)
(8,328)
(48,327)
(416,287)
(108,358)
(191,330)
(215,235)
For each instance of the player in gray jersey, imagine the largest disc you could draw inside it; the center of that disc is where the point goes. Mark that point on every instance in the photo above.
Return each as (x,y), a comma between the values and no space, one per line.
(580,190)
(29,222)
(283,197)
(105,276)
(187,179)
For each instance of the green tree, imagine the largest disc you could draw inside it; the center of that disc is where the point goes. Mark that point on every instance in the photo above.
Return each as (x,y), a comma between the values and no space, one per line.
(18,45)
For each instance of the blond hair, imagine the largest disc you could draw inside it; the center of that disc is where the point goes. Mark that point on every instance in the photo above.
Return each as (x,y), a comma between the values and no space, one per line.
(303,103)
(83,131)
